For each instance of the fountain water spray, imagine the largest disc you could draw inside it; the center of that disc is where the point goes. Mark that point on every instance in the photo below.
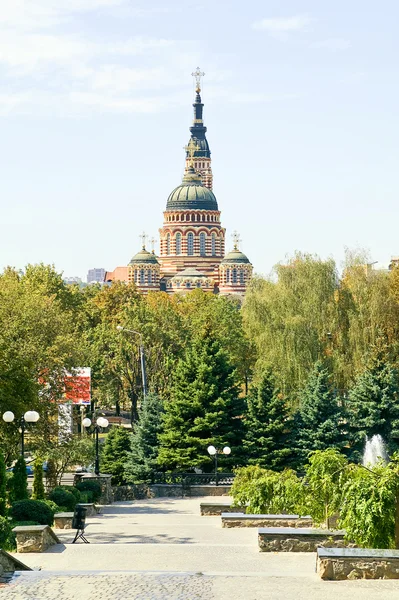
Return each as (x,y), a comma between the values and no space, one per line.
(374,451)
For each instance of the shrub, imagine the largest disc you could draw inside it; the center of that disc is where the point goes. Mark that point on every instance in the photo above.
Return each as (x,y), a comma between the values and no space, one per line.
(32,510)
(73,490)
(63,498)
(52,506)
(91,486)
(5,531)
(38,485)
(19,481)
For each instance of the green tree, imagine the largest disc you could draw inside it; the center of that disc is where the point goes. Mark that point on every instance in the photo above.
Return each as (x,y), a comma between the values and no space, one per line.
(373,406)
(3,486)
(266,440)
(65,453)
(326,473)
(319,421)
(38,485)
(19,481)
(115,453)
(205,408)
(143,458)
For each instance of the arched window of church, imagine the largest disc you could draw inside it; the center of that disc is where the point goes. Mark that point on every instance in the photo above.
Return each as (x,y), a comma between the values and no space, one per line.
(168,243)
(188,284)
(198,284)
(178,243)
(242,277)
(234,276)
(142,276)
(135,275)
(202,244)
(149,276)
(227,275)
(213,244)
(190,244)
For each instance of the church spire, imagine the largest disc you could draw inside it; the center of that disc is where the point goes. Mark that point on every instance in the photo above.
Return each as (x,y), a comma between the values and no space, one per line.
(201,160)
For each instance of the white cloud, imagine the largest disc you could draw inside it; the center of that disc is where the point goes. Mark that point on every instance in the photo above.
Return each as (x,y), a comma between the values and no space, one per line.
(333,44)
(284,24)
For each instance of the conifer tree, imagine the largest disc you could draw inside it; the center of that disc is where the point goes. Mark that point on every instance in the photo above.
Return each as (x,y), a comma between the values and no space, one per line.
(3,486)
(142,460)
(19,481)
(38,485)
(373,405)
(205,408)
(319,420)
(116,450)
(266,440)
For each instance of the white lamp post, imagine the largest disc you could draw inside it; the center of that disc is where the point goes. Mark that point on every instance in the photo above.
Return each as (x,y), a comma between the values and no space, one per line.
(214,452)
(31,416)
(100,424)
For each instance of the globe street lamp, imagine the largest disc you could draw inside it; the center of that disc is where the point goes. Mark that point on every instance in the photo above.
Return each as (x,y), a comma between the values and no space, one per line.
(214,452)
(31,416)
(100,424)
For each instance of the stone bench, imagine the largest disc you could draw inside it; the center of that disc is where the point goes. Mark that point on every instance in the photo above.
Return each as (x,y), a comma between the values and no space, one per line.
(35,538)
(357,563)
(244,520)
(63,520)
(216,508)
(298,539)
(8,566)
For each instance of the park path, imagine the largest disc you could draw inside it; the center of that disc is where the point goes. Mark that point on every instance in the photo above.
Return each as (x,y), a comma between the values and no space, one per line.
(163,549)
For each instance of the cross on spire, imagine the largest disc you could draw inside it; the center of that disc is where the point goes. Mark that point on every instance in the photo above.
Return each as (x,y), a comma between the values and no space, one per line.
(236,239)
(153,242)
(198,74)
(143,238)
(191,148)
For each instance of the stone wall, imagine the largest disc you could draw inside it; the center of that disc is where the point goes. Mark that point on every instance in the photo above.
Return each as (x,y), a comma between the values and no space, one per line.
(8,566)
(357,568)
(164,490)
(63,520)
(208,509)
(264,522)
(289,542)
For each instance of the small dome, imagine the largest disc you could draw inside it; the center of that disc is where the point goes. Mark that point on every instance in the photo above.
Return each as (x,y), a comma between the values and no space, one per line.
(235,257)
(191,194)
(144,257)
(189,273)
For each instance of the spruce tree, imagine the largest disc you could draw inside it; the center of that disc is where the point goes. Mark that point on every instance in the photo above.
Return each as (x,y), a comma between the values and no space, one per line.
(373,405)
(38,485)
(19,481)
(3,486)
(266,440)
(319,420)
(205,408)
(116,450)
(142,460)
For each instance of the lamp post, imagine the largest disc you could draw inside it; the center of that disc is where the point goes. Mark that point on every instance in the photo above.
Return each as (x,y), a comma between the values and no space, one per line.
(214,452)
(142,356)
(100,424)
(31,416)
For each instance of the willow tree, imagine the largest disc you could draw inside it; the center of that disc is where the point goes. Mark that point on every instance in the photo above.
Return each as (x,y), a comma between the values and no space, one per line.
(292,318)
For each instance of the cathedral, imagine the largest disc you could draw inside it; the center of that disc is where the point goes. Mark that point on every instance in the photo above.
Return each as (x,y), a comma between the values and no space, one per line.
(192,239)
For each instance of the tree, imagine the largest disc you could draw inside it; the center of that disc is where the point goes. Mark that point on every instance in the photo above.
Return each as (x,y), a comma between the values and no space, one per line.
(142,460)
(38,485)
(19,481)
(373,404)
(370,505)
(266,440)
(326,473)
(3,486)
(319,420)
(205,408)
(115,453)
(67,452)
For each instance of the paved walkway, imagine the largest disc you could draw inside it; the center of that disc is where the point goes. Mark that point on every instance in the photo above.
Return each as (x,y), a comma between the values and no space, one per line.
(162,549)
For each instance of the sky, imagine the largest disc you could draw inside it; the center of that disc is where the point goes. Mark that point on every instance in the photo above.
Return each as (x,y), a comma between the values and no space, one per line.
(301,104)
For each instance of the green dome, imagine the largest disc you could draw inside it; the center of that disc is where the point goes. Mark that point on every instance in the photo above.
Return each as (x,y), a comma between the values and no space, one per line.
(192,195)
(235,257)
(144,257)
